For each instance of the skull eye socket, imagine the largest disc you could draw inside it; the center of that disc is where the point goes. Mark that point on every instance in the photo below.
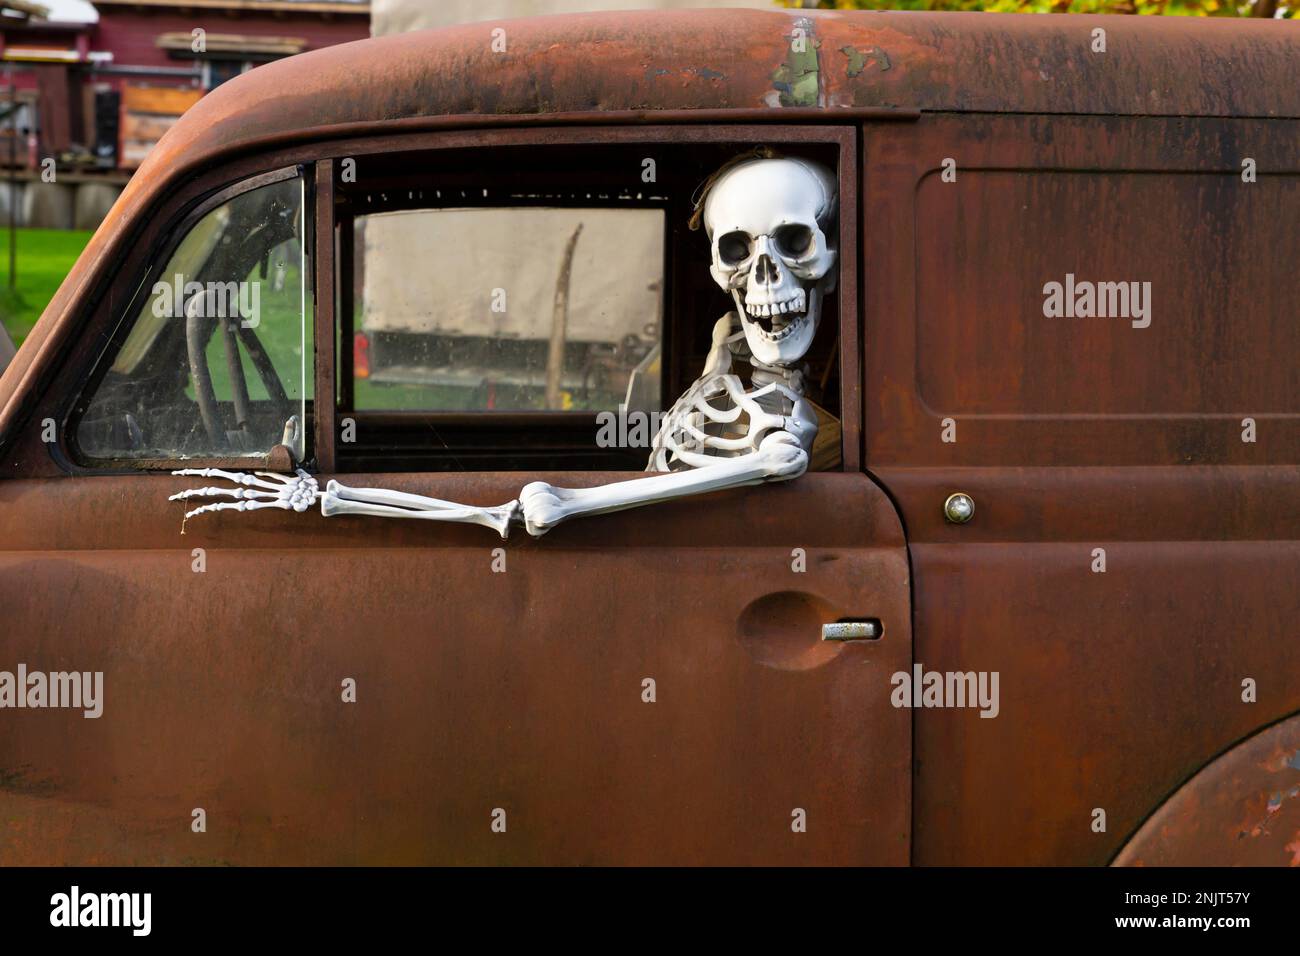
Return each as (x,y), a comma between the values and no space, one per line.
(794,239)
(733,248)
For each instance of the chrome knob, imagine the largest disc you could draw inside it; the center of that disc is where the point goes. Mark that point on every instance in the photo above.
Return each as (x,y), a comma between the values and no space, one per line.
(959,508)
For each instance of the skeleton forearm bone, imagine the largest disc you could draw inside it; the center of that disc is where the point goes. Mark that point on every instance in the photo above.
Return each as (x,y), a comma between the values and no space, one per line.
(381,503)
(778,458)
(265,489)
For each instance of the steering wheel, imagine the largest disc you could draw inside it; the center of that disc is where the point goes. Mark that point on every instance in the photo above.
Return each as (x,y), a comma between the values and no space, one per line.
(259,221)
(198,331)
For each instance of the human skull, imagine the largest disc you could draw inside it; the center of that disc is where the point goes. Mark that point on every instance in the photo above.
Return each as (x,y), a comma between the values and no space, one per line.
(767,222)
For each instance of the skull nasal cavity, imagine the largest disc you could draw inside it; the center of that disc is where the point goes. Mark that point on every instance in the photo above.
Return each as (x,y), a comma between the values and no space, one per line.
(766,270)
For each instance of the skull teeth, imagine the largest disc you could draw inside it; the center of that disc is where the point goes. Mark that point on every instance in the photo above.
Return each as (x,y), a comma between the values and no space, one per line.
(784,332)
(777,334)
(795,305)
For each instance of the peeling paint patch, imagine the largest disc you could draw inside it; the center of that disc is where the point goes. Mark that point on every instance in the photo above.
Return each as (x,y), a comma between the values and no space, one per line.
(797,81)
(1275,801)
(1294,849)
(858,59)
(1281,760)
(21,780)
(701,72)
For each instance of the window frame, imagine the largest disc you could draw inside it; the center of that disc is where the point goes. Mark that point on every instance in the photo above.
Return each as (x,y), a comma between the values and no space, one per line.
(492,425)
(122,321)
(840,135)
(151,234)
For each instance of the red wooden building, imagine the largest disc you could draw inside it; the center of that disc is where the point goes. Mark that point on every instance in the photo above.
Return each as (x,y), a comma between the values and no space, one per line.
(97,95)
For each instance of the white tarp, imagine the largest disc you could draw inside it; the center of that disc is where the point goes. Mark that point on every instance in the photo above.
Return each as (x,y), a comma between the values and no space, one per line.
(449,271)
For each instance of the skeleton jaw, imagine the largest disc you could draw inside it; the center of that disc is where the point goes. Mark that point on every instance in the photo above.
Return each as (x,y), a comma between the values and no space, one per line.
(779,333)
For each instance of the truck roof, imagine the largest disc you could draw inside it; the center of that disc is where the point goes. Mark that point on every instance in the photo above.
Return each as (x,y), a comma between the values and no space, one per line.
(658,62)
(710,65)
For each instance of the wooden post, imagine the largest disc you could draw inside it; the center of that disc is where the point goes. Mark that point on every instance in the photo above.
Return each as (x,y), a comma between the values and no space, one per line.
(559,324)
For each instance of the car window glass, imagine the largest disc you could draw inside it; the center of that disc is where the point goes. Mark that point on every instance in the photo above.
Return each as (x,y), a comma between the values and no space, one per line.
(509,309)
(216,363)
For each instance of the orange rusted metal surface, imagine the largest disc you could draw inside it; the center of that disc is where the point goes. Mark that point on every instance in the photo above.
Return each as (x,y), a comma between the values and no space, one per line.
(1244,807)
(475,690)
(1084,441)
(523,691)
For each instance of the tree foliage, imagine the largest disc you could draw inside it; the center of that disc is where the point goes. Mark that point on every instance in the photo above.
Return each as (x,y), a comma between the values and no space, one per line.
(1282,9)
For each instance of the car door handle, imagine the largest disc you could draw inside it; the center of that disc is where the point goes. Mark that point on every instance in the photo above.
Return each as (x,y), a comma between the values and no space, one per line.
(868,630)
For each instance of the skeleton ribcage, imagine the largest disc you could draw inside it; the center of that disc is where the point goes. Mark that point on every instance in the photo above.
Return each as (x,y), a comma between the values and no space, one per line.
(717,418)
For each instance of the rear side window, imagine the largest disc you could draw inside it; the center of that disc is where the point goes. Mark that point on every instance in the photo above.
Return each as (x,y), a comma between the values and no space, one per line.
(509,309)
(215,361)
(531,306)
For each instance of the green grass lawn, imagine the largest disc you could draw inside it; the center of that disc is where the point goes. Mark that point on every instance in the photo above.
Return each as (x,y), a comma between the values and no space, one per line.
(45,256)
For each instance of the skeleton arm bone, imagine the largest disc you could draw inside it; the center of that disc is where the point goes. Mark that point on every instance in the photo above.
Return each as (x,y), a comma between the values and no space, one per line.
(779,451)
(269,490)
(689,456)
(382,503)
(779,457)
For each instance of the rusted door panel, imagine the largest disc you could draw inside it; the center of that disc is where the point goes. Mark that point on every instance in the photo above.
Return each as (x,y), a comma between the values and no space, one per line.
(953,282)
(1078,435)
(1115,687)
(476,690)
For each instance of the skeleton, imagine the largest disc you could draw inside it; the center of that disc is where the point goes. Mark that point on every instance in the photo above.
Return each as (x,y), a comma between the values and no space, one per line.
(769,223)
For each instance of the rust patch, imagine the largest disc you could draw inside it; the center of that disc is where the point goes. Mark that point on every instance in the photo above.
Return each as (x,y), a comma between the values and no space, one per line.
(1236,811)
(21,780)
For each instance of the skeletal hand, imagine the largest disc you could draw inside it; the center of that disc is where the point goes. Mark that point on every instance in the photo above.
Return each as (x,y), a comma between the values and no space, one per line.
(262,489)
